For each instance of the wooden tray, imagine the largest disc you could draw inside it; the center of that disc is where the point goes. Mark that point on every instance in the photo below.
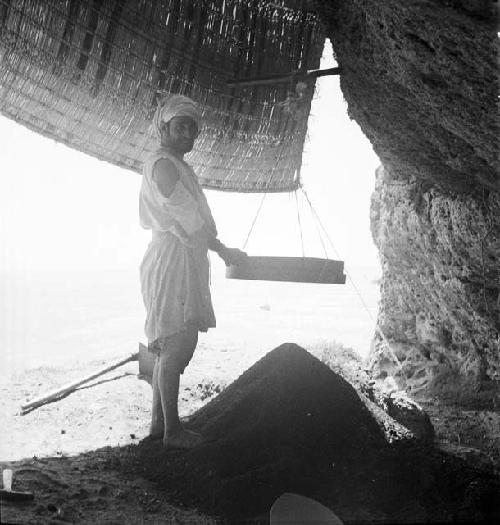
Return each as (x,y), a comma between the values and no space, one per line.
(292,269)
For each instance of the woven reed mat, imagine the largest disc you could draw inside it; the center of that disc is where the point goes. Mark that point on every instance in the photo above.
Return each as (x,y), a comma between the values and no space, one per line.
(88,72)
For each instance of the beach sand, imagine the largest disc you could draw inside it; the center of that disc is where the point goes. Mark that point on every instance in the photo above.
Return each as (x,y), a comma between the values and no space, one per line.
(61,326)
(46,448)
(59,450)
(68,452)
(77,455)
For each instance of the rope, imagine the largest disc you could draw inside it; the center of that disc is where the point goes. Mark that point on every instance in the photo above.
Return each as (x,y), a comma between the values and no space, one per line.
(271,176)
(318,231)
(300,224)
(254,221)
(358,293)
(323,269)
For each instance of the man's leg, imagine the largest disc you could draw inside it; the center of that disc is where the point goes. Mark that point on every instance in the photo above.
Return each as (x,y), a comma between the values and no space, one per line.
(171,364)
(157,428)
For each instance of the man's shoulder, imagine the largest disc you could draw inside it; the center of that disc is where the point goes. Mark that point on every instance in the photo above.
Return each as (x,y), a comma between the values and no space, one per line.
(159,153)
(160,159)
(165,167)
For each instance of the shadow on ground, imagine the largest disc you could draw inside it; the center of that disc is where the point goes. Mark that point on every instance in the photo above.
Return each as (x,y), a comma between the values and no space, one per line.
(288,424)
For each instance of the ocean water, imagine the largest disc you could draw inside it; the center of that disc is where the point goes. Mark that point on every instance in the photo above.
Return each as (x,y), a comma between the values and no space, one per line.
(52,318)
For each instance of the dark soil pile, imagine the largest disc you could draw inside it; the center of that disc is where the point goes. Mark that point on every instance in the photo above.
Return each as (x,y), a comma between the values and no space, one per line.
(290,424)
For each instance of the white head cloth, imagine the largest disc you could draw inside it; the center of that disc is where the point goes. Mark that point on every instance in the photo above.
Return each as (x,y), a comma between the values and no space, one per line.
(175,106)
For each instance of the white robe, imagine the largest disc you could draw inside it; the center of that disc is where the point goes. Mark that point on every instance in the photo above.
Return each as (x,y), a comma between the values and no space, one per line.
(175,269)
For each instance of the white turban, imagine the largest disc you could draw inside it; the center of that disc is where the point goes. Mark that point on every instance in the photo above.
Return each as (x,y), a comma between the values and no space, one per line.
(175,106)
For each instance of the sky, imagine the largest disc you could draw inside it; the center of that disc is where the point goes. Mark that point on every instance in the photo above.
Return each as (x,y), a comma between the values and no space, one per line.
(63,210)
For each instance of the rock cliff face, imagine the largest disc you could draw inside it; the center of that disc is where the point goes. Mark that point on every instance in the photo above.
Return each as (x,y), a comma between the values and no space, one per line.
(420,78)
(440,290)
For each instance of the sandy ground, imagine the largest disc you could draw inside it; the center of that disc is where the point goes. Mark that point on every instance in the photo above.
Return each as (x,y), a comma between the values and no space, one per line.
(60,451)
(45,446)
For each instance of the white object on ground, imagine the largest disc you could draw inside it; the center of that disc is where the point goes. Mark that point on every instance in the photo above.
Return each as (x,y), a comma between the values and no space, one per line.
(7,479)
(292,508)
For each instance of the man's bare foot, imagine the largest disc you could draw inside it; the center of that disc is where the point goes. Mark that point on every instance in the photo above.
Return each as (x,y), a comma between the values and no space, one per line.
(183,438)
(153,440)
(156,431)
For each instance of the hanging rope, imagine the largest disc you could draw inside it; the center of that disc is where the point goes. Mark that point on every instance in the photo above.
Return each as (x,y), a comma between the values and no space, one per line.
(323,269)
(254,220)
(300,224)
(277,161)
(358,293)
(318,231)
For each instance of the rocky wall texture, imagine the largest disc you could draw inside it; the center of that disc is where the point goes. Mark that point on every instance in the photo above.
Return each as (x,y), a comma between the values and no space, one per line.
(440,305)
(420,78)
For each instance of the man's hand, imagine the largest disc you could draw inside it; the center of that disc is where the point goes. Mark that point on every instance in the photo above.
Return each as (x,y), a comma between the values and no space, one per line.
(229,255)
(232,256)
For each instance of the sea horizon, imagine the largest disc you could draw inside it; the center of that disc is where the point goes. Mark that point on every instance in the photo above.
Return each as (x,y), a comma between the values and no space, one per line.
(58,317)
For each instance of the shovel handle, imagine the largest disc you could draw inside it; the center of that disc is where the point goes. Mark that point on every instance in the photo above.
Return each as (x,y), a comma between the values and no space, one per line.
(51,396)
(15,495)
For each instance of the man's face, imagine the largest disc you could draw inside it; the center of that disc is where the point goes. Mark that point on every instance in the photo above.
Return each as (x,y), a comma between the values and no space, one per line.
(180,133)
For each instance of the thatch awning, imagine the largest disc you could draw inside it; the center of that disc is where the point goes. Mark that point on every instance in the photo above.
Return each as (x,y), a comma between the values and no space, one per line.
(87,73)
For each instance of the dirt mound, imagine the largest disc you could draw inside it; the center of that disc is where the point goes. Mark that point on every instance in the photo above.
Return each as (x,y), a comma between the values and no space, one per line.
(290,424)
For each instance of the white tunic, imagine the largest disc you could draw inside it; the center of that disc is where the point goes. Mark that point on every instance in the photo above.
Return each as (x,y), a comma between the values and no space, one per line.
(175,270)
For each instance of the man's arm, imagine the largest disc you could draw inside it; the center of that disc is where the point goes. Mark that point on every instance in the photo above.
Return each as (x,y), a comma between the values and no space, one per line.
(165,175)
(228,255)
(214,244)
(182,205)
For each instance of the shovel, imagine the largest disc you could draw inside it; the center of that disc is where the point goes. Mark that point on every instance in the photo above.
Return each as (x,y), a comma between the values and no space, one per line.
(12,495)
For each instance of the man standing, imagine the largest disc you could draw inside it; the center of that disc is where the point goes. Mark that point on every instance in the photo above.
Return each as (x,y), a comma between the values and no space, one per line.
(175,269)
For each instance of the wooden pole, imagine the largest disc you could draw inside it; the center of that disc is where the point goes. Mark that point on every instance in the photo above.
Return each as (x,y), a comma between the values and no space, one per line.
(15,495)
(274,79)
(70,387)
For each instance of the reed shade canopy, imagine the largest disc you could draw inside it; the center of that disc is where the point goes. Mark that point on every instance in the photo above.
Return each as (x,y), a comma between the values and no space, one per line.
(88,73)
